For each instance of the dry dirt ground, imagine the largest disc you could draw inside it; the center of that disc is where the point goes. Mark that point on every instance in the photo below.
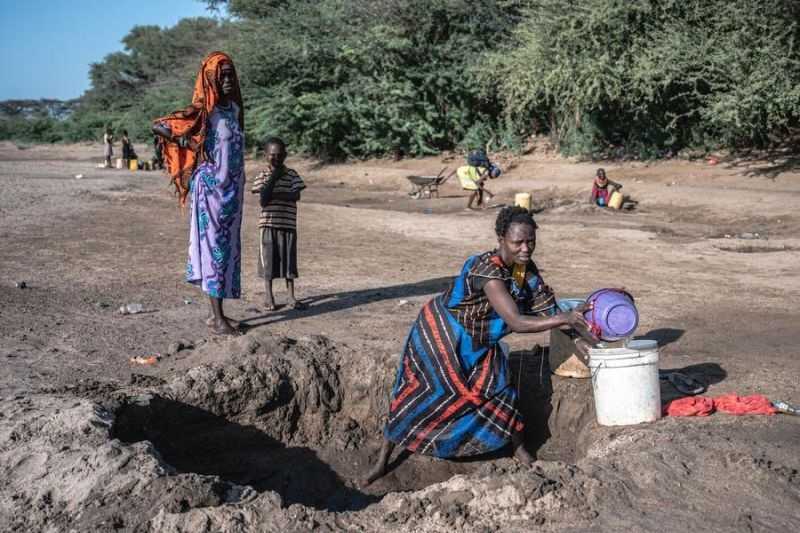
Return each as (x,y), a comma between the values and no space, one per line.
(270,431)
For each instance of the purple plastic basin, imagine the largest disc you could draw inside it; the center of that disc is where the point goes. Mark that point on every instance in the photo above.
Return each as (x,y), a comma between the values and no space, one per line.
(614,315)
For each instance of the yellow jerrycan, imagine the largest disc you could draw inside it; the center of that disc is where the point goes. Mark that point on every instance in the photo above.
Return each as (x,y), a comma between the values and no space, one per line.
(523,199)
(615,202)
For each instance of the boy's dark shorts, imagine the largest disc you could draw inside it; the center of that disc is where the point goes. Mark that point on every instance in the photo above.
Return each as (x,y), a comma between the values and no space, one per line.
(278,254)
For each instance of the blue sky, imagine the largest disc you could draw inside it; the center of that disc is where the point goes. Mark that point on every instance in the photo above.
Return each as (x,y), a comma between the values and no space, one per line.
(47,45)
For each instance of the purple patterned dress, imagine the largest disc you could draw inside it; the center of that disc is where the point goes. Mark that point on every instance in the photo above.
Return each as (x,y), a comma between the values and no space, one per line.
(216,216)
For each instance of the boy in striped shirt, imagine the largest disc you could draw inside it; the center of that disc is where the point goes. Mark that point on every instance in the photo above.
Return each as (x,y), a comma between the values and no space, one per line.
(279,190)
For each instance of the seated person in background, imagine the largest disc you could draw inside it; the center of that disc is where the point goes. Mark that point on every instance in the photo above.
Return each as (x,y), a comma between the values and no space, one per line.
(474,174)
(602,188)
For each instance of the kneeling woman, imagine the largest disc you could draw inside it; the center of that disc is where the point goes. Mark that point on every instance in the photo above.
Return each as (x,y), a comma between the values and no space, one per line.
(452,396)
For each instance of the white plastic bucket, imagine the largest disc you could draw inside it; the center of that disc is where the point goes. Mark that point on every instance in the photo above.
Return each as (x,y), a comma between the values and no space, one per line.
(625,383)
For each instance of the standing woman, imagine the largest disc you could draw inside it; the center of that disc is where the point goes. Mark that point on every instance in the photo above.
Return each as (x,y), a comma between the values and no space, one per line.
(452,396)
(108,146)
(203,151)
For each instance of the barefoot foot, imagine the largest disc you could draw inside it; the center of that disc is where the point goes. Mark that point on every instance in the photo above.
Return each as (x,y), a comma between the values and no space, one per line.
(523,456)
(377,472)
(210,322)
(297,305)
(223,327)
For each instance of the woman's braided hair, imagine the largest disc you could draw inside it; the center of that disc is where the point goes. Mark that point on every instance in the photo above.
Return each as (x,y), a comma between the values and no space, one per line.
(511,215)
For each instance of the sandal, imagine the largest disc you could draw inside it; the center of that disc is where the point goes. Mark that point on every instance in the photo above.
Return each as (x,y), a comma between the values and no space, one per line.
(684,383)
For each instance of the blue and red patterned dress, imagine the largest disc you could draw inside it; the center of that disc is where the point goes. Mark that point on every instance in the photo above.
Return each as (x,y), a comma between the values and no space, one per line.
(452,396)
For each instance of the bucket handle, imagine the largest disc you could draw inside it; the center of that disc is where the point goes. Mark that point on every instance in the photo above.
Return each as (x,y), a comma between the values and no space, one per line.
(595,370)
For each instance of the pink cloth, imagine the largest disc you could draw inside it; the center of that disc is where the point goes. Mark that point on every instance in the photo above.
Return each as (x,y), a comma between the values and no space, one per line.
(755,404)
(731,404)
(690,406)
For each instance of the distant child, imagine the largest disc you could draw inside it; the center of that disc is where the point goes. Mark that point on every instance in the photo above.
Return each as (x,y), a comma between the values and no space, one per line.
(158,153)
(108,147)
(474,174)
(602,188)
(279,189)
(128,152)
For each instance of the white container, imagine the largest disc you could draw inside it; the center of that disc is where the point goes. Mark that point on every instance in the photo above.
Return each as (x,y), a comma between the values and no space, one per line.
(625,383)
(131,309)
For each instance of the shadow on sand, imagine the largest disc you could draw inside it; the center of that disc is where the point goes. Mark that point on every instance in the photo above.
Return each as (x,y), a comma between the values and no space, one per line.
(664,336)
(194,440)
(338,301)
(770,164)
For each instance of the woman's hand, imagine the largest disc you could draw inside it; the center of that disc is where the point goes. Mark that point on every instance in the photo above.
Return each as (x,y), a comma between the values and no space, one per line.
(575,317)
(576,321)
(184,141)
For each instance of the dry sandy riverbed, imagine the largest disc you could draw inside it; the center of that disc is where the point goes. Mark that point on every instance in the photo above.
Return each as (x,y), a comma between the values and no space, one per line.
(268,431)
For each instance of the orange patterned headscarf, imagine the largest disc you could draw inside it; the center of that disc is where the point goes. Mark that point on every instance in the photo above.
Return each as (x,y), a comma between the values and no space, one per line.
(192,122)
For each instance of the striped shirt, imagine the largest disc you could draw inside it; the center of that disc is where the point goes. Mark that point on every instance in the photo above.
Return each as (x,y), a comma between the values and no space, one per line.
(470,305)
(279,214)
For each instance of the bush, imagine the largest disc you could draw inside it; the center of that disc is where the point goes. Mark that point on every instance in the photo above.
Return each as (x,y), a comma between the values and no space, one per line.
(349,78)
(152,77)
(652,75)
(345,78)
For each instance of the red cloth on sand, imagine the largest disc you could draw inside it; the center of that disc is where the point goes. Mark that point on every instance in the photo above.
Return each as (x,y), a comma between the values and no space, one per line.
(744,405)
(690,406)
(731,404)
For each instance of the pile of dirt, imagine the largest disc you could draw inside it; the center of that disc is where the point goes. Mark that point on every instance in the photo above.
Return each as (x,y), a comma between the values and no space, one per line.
(637,479)
(258,437)
(289,389)
(63,471)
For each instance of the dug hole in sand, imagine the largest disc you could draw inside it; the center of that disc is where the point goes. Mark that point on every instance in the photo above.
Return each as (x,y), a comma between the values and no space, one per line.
(271,432)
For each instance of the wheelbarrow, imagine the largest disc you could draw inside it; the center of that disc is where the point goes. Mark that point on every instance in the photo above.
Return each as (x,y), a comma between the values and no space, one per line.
(427,186)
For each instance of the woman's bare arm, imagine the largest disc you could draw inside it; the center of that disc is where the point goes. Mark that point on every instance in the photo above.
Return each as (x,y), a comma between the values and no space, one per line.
(163,131)
(505,306)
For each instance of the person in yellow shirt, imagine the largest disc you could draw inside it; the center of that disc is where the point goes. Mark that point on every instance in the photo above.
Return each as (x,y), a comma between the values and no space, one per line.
(473,176)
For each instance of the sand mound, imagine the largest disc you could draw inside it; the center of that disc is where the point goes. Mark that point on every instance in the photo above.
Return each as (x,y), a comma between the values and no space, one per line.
(255,439)
(63,471)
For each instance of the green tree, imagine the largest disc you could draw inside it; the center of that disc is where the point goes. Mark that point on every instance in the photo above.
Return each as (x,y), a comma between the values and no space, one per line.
(349,78)
(151,77)
(652,75)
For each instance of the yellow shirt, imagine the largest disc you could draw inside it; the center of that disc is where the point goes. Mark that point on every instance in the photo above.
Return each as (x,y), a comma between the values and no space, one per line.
(469,176)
